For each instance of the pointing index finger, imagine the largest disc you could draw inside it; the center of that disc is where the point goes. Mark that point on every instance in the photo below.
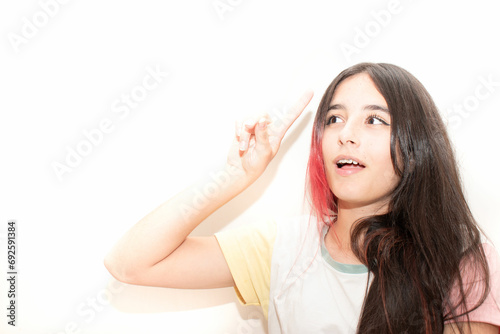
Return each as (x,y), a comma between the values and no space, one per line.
(293,113)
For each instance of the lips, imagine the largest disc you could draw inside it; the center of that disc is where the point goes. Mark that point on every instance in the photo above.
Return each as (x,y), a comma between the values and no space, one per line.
(347,165)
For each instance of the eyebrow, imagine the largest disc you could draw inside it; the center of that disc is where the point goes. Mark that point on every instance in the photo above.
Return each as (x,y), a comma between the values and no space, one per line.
(372,107)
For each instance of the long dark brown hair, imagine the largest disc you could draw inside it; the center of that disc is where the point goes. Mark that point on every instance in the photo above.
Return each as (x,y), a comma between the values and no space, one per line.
(416,250)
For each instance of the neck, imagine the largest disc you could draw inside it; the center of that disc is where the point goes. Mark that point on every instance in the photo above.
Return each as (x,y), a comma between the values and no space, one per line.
(348,215)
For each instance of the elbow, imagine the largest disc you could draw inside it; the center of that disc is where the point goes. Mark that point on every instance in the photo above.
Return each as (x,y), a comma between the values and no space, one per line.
(119,271)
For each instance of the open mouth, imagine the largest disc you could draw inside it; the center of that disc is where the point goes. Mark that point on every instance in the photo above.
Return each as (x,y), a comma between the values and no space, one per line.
(349,164)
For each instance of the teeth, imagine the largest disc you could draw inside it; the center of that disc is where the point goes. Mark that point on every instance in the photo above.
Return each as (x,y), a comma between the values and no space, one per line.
(348,161)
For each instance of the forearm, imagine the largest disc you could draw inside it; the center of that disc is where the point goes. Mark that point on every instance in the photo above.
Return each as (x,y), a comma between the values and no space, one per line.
(160,232)
(154,238)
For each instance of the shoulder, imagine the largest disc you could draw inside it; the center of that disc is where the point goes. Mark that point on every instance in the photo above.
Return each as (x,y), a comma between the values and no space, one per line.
(474,287)
(492,256)
(297,227)
(493,259)
(257,237)
(297,241)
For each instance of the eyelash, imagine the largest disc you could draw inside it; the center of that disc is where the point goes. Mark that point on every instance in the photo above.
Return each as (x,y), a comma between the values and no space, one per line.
(370,117)
(375,116)
(329,119)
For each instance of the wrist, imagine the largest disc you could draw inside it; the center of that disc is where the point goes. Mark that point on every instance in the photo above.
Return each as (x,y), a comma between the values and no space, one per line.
(234,177)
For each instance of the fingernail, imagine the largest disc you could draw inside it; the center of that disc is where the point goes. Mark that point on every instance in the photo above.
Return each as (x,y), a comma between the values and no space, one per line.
(243,145)
(263,123)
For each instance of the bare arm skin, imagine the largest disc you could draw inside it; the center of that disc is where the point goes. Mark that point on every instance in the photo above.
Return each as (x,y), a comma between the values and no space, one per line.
(158,251)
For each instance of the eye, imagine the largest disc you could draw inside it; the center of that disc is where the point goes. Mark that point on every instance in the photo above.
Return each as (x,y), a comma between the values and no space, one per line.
(334,119)
(376,120)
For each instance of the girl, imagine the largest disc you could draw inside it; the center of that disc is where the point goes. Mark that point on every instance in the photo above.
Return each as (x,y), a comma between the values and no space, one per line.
(389,247)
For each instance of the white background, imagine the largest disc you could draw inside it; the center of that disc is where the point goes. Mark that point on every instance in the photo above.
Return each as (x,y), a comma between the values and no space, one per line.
(246,58)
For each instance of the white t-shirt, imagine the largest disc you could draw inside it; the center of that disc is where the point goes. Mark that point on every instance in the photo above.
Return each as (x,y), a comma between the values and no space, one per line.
(284,266)
(310,292)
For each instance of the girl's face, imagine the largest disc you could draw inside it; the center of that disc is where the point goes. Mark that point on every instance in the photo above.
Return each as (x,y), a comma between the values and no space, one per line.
(356,145)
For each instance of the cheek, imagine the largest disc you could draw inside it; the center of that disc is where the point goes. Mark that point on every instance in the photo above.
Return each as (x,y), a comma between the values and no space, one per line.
(329,144)
(380,153)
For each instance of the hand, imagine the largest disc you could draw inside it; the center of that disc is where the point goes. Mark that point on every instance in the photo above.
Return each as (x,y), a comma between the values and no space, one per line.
(258,139)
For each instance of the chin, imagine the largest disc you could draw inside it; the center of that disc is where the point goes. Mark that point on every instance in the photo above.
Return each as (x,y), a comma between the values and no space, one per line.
(349,194)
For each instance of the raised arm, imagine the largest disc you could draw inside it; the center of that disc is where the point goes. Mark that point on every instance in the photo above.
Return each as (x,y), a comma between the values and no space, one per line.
(158,251)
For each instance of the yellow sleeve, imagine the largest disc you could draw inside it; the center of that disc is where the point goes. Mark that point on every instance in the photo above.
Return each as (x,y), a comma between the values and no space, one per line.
(248,251)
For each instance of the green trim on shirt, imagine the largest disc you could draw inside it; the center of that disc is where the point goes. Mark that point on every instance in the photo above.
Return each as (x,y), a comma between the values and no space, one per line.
(342,267)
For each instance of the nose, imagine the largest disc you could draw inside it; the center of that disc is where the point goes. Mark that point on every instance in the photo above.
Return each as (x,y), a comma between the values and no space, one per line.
(348,134)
